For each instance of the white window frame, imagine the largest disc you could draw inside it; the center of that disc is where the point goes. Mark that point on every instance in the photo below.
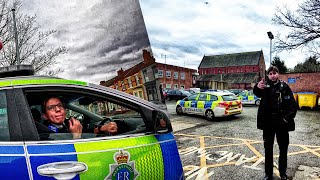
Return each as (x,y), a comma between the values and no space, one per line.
(168,74)
(160,73)
(175,86)
(182,86)
(182,75)
(168,86)
(129,82)
(137,79)
(175,75)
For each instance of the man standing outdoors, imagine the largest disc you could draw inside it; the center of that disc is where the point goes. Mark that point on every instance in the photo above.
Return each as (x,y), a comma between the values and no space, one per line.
(275,117)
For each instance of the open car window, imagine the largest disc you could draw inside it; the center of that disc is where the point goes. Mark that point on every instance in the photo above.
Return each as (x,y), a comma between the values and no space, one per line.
(93,111)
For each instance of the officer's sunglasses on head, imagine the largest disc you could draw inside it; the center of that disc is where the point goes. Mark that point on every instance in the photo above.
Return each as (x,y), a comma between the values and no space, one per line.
(54,107)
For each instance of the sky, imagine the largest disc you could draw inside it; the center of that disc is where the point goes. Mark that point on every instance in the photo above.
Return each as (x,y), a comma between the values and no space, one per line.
(101,36)
(181,32)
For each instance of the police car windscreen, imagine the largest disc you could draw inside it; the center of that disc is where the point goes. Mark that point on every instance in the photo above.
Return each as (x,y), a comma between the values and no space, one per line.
(229,97)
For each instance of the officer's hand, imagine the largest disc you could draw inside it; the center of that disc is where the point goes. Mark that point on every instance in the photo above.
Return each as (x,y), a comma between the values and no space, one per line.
(111,128)
(261,84)
(75,128)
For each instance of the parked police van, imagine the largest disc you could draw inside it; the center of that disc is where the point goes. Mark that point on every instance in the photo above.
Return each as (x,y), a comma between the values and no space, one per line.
(143,148)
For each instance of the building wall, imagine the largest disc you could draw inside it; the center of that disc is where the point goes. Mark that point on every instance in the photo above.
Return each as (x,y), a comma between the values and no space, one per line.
(305,82)
(179,82)
(230,70)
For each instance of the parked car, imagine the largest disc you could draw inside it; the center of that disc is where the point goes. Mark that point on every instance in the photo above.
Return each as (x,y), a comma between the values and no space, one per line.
(165,92)
(190,91)
(143,147)
(177,94)
(236,91)
(247,97)
(210,104)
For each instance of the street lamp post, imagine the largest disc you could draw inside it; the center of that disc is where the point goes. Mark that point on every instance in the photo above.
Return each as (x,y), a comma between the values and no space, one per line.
(270,35)
(15,34)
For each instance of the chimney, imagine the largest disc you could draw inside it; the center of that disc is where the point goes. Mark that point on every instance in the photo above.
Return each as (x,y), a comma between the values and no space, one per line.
(147,58)
(120,72)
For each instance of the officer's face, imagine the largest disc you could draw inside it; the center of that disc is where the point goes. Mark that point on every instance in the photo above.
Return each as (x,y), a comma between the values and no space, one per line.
(273,76)
(55,112)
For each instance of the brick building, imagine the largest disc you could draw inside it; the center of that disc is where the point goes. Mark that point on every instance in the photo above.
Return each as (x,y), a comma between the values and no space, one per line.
(239,70)
(139,80)
(302,82)
(175,77)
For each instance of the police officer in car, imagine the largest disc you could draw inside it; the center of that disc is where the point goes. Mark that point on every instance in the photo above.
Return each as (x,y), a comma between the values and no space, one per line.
(276,115)
(54,112)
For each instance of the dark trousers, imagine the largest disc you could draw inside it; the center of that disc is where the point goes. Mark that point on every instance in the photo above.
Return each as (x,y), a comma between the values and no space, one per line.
(283,142)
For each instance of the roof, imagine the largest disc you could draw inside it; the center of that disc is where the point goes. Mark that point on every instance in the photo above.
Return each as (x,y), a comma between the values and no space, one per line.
(227,60)
(234,78)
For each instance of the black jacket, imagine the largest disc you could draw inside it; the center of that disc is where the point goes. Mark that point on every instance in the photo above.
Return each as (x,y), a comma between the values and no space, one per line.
(287,107)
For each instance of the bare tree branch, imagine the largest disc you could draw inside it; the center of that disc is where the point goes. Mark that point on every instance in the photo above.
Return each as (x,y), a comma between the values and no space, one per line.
(303,25)
(32,41)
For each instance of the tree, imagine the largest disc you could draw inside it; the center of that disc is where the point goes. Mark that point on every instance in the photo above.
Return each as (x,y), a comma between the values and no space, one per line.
(279,64)
(309,65)
(32,41)
(303,25)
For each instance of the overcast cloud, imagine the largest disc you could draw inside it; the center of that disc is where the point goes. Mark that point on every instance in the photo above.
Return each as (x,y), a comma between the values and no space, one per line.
(184,30)
(102,35)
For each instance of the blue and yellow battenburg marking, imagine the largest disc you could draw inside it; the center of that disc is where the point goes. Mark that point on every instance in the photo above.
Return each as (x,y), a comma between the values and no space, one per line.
(145,157)
(198,104)
(13,162)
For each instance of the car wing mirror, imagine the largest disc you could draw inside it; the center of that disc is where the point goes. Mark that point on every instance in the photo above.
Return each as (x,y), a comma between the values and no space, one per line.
(162,123)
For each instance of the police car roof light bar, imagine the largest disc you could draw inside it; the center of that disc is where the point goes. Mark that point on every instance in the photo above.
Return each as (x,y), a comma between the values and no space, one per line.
(16,70)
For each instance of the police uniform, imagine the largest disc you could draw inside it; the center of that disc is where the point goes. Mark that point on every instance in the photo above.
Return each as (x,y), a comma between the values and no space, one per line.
(276,118)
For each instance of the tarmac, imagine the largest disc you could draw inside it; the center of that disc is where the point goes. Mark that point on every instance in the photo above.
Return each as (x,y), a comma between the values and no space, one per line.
(302,173)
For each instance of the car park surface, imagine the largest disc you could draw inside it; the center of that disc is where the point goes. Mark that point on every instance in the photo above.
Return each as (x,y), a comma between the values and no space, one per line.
(144,147)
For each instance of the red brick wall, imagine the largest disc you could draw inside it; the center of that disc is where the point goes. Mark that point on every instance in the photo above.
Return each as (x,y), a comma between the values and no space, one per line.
(305,82)
(187,82)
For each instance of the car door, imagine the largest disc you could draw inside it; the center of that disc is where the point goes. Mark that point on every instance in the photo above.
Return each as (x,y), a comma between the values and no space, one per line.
(191,104)
(13,159)
(251,98)
(202,99)
(141,152)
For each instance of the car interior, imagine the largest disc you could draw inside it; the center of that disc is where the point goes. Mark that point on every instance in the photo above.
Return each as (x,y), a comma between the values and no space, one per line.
(91,111)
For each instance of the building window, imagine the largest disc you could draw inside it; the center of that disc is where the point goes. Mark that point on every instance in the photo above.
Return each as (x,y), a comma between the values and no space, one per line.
(182,76)
(168,86)
(135,94)
(175,75)
(141,94)
(123,86)
(168,74)
(175,86)
(182,86)
(137,79)
(129,82)
(160,73)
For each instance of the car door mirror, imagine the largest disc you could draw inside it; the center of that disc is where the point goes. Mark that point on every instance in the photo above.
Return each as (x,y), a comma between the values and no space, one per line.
(185,99)
(162,124)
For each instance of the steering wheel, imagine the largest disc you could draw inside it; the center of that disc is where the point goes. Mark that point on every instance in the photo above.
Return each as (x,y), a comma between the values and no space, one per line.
(101,133)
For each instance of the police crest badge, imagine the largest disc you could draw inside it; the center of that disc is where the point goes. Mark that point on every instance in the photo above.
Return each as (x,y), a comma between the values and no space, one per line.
(123,169)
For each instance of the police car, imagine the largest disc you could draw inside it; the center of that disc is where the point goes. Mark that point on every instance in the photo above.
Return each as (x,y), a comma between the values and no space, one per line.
(247,97)
(210,104)
(144,148)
